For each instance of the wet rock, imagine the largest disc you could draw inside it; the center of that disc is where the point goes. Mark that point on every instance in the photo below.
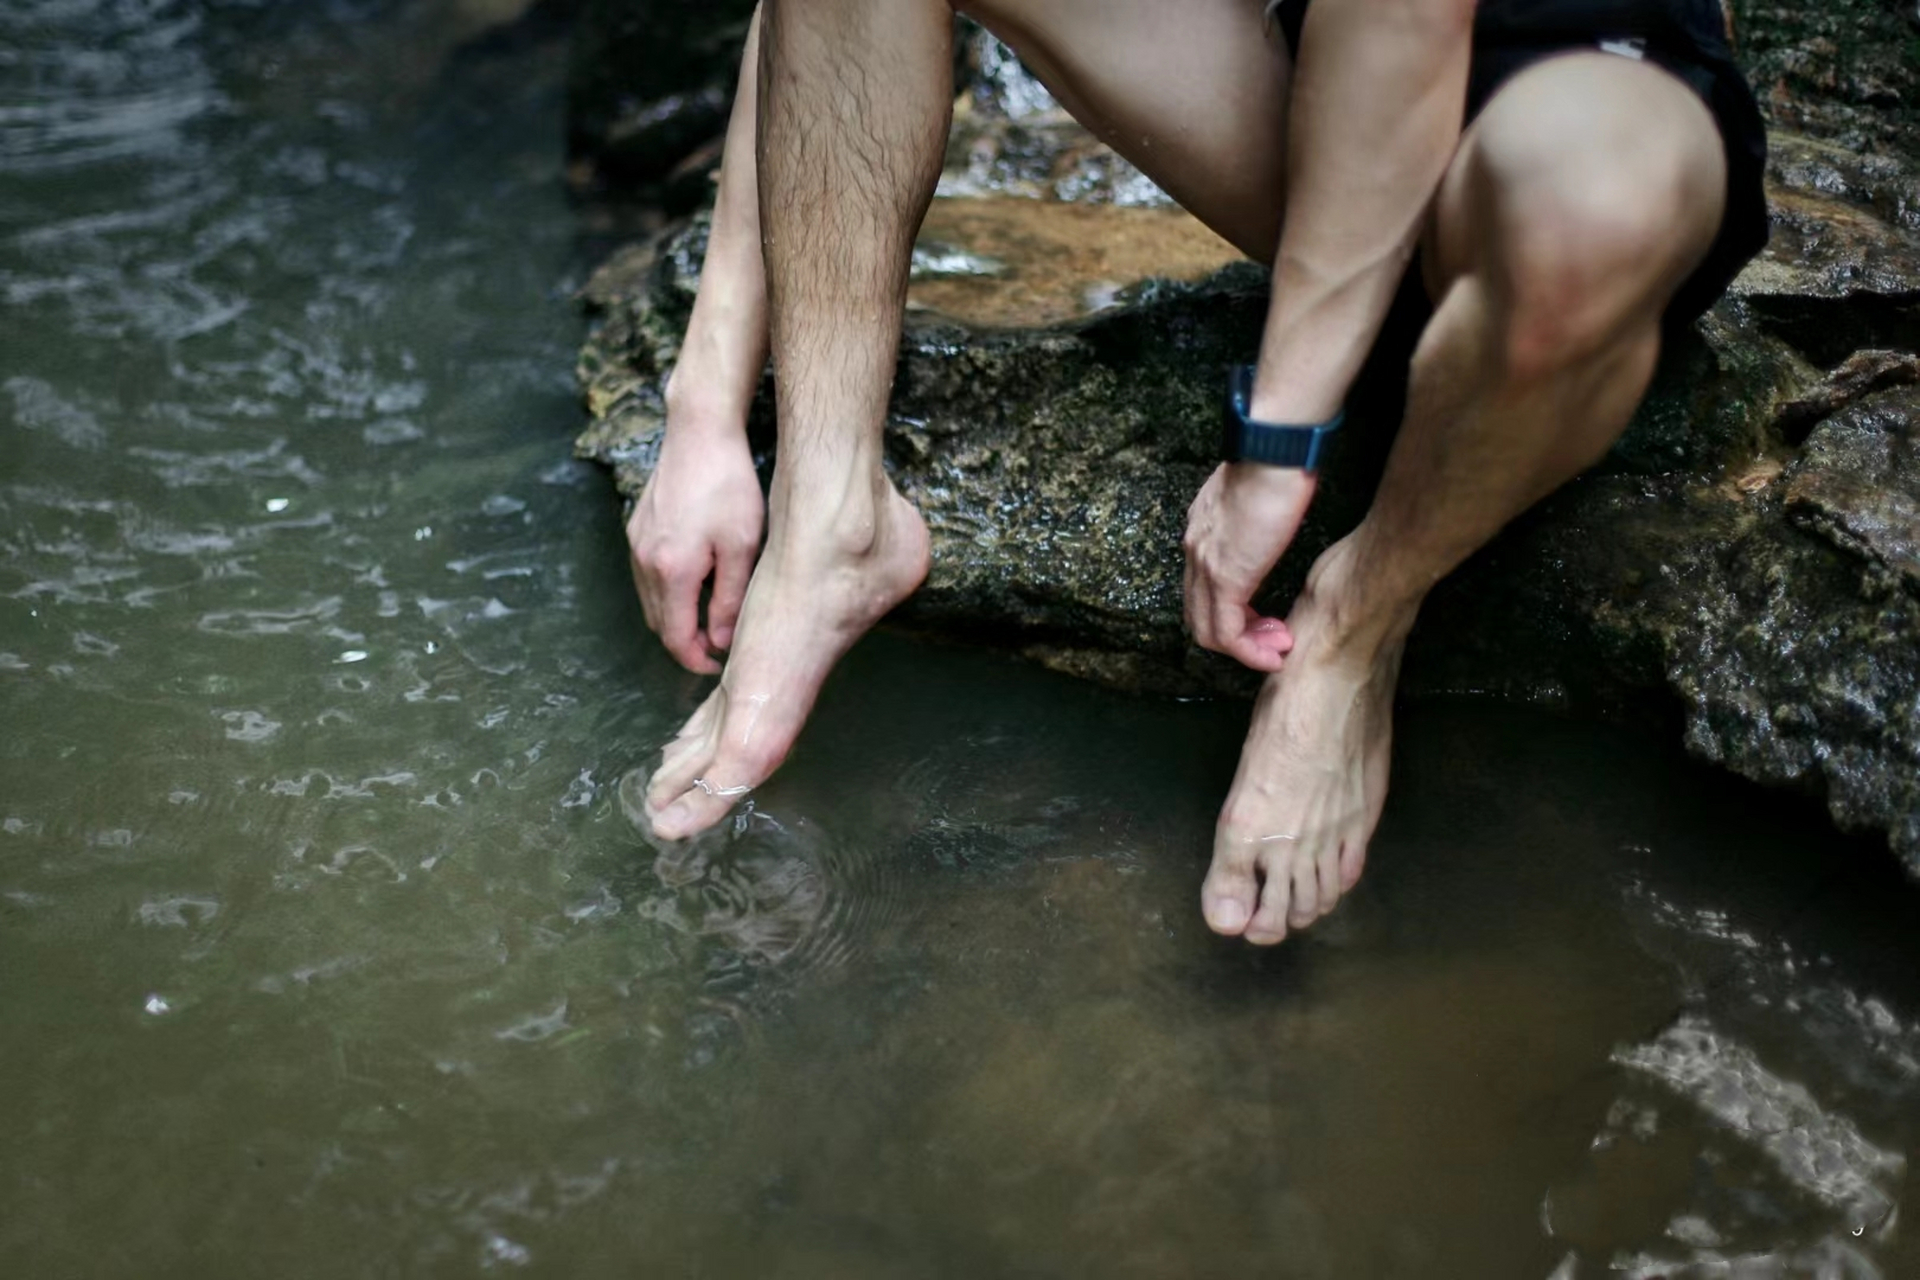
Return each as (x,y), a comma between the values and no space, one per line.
(1857,483)
(1744,565)
(651,84)
(1010,137)
(1842,69)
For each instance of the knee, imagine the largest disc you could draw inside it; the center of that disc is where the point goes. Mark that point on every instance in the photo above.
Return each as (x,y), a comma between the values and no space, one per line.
(1583,259)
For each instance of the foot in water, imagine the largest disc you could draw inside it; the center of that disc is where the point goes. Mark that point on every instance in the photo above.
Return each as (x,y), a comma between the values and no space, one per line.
(1293,835)
(816,590)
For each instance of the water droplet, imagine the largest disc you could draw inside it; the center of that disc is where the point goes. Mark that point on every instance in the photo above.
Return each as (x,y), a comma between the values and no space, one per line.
(354,655)
(277,505)
(157,1005)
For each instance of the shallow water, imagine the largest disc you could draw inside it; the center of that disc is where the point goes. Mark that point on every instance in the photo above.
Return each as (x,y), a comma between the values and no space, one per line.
(326,947)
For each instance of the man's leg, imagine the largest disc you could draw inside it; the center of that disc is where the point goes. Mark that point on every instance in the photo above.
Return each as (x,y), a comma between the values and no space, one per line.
(854,102)
(1580,200)
(1194,94)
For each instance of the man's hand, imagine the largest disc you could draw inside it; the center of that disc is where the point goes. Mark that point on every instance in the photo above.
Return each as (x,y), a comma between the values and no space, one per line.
(700,515)
(1237,528)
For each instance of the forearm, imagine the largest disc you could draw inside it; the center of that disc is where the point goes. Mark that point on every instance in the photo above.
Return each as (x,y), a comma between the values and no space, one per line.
(725,347)
(1376,115)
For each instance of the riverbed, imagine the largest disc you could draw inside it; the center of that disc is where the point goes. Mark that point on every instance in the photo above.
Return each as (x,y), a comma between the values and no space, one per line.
(327,947)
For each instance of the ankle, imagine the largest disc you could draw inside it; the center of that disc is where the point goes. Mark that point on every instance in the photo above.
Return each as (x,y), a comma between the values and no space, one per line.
(1352,613)
(843,510)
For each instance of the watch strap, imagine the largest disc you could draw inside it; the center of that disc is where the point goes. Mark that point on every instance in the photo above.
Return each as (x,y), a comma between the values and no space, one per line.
(1277,444)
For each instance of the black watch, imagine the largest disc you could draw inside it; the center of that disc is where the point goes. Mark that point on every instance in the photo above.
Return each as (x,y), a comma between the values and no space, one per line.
(1278,444)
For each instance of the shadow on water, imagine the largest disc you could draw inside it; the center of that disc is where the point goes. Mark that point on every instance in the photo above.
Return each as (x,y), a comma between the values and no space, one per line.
(329,947)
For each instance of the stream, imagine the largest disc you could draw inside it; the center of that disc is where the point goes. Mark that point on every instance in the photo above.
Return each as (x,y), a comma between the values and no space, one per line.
(328,948)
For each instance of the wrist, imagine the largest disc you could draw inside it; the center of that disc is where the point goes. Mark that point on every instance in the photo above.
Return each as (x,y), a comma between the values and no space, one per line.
(1247,437)
(697,409)
(1276,399)
(1267,479)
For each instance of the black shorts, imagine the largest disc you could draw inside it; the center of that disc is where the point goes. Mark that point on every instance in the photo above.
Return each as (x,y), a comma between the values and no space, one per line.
(1685,37)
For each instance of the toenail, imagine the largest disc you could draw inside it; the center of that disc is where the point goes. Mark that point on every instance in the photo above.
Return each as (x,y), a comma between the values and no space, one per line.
(1227,915)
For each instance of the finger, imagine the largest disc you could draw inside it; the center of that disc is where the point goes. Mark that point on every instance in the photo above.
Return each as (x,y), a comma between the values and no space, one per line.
(1264,643)
(1227,617)
(642,584)
(680,616)
(1193,599)
(1233,624)
(1271,633)
(643,587)
(643,577)
(732,570)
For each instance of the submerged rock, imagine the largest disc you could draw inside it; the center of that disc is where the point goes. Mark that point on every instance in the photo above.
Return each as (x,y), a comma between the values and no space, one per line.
(1749,551)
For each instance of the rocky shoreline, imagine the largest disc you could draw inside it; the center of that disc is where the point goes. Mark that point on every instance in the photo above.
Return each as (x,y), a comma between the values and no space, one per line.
(1745,563)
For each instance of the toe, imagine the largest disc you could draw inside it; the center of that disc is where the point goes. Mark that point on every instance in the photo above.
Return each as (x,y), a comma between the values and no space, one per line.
(682,760)
(1327,876)
(1269,923)
(1353,858)
(700,724)
(704,777)
(1304,883)
(691,814)
(685,758)
(1230,891)
(726,779)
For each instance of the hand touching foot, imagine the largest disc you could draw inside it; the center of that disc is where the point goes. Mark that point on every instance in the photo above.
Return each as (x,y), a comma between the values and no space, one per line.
(1293,835)
(817,590)
(699,517)
(1237,528)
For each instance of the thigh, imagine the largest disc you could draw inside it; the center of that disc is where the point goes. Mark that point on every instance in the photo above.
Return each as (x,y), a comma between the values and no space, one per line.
(1600,178)
(1193,92)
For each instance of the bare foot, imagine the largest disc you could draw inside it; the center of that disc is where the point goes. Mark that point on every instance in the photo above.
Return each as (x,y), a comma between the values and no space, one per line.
(816,591)
(1313,774)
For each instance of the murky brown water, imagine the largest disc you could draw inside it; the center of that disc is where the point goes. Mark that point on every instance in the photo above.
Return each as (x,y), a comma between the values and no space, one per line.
(327,949)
